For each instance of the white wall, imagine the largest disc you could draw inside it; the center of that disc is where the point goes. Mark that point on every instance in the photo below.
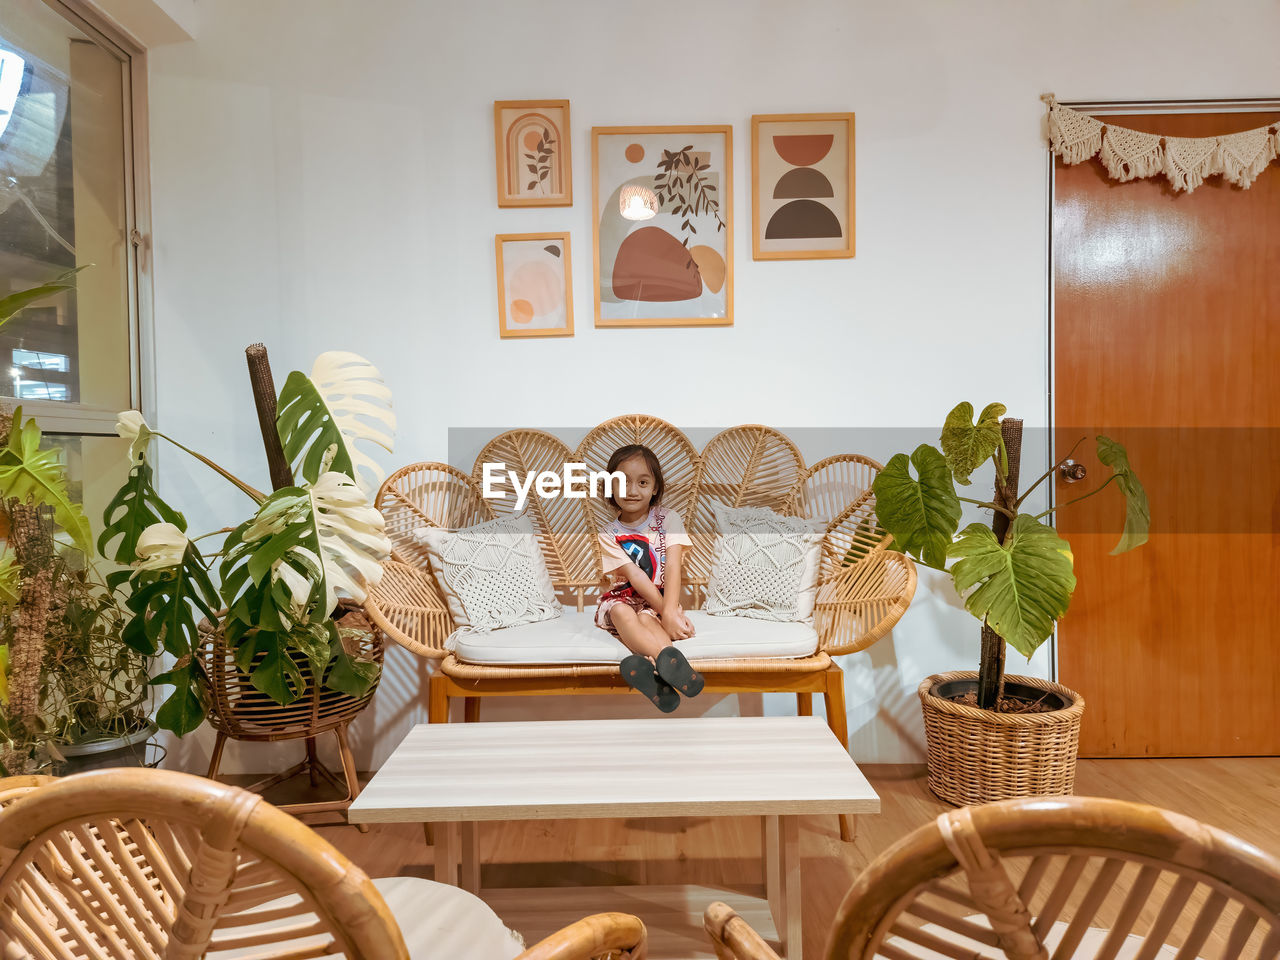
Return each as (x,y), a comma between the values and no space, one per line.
(322,178)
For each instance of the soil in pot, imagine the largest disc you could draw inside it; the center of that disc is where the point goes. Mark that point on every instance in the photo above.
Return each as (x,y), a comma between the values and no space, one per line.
(1018,697)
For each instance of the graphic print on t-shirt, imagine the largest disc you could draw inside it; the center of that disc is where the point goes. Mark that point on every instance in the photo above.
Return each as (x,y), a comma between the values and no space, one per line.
(636,546)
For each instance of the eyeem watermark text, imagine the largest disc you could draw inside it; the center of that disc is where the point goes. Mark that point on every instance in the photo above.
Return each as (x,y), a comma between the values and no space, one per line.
(574,482)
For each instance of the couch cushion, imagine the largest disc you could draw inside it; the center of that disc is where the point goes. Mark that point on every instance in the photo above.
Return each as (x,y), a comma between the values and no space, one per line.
(575,638)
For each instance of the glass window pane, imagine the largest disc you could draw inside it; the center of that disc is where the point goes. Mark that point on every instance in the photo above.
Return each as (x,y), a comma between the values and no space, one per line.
(62,205)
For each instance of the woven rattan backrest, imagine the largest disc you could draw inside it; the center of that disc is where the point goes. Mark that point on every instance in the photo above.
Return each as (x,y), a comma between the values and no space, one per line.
(679,459)
(427,494)
(563,525)
(157,864)
(837,491)
(1057,878)
(745,466)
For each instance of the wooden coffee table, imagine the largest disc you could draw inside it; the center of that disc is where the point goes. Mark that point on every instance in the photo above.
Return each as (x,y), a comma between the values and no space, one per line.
(779,768)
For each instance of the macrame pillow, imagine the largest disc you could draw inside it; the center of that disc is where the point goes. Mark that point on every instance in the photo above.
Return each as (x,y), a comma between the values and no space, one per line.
(763,565)
(492,575)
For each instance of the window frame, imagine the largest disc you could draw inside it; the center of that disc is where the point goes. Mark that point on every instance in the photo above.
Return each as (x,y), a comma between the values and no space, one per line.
(78,419)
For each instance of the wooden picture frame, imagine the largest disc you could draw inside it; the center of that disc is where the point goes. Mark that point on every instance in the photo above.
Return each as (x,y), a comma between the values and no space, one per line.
(535,299)
(533,171)
(802,204)
(641,275)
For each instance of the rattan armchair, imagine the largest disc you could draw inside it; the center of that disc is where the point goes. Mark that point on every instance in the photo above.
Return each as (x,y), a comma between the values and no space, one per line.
(1030,879)
(150,864)
(864,589)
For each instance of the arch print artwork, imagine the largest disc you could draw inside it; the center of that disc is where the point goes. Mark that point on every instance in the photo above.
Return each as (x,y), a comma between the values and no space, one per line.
(531,139)
(802,186)
(674,269)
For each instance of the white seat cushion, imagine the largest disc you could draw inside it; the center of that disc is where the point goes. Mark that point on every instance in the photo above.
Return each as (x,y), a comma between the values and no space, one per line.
(438,922)
(574,638)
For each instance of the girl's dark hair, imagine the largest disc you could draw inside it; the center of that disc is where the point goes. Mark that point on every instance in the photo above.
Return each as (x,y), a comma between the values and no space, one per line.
(623,454)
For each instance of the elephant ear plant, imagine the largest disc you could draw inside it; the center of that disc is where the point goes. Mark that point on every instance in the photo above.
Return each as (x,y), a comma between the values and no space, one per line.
(280,575)
(1016,576)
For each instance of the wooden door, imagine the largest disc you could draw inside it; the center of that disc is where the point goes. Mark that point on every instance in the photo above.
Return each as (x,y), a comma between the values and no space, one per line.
(1167,338)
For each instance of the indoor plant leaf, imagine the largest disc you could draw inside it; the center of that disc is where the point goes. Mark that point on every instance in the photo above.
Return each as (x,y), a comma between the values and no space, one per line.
(135,507)
(343,401)
(164,604)
(183,710)
(967,444)
(276,674)
(348,674)
(1137,512)
(922,515)
(1021,588)
(14,302)
(29,473)
(306,546)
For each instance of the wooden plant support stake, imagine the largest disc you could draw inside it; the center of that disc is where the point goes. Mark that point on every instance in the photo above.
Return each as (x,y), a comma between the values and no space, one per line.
(991,668)
(264,398)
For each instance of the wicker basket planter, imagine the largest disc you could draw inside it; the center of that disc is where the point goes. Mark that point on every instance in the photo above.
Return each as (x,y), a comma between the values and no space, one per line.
(977,756)
(239,711)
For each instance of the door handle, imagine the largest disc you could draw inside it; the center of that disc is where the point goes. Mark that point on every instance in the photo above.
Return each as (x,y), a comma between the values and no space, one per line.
(1070,471)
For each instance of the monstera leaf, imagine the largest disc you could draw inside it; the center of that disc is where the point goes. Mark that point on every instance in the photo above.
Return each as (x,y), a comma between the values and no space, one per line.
(342,403)
(1137,512)
(184,709)
(1021,587)
(922,515)
(968,445)
(165,604)
(287,565)
(31,474)
(135,507)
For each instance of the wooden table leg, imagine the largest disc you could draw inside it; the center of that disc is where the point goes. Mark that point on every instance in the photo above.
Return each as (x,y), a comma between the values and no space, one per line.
(446,853)
(470,873)
(782,881)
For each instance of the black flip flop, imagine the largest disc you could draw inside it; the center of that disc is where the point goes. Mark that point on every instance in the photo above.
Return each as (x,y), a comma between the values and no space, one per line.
(675,669)
(638,674)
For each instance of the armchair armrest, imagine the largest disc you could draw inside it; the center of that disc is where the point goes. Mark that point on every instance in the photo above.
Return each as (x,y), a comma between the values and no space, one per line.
(407,606)
(732,937)
(863,601)
(617,935)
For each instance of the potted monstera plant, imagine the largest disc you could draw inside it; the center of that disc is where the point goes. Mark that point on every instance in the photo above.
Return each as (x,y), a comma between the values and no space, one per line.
(270,590)
(992,736)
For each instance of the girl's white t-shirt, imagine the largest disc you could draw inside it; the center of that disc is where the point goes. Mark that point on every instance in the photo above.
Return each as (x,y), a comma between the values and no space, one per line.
(645,544)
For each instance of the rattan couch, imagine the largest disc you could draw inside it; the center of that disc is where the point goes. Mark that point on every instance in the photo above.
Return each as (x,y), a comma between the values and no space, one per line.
(864,588)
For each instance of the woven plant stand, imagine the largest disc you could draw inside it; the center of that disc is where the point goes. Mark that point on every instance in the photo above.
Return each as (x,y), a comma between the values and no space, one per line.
(978,756)
(239,711)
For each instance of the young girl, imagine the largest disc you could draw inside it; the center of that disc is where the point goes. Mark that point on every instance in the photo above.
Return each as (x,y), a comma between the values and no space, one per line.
(642,551)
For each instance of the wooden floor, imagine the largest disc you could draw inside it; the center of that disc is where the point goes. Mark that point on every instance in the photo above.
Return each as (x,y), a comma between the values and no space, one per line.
(1239,795)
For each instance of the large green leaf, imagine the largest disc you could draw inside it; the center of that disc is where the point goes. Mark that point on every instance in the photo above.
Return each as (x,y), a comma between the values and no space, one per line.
(29,473)
(14,302)
(322,417)
(922,515)
(967,444)
(135,507)
(1137,511)
(348,674)
(165,604)
(184,710)
(1021,588)
(288,565)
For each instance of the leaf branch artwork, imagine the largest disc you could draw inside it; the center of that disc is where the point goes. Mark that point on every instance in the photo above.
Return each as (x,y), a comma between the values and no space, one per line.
(684,191)
(539,161)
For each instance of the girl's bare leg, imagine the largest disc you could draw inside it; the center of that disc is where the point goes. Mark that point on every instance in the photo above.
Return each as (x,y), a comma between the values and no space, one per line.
(638,632)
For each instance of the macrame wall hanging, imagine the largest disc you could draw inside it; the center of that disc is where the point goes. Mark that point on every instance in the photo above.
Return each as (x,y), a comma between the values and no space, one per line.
(1185,161)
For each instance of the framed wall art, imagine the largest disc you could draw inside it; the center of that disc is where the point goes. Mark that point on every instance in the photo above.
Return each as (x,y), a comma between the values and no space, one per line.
(662,220)
(533,157)
(802,167)
(535,285)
